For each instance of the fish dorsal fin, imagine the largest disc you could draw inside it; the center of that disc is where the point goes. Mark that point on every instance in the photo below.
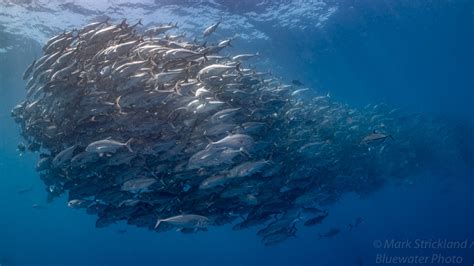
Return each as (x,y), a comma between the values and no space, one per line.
(109,138)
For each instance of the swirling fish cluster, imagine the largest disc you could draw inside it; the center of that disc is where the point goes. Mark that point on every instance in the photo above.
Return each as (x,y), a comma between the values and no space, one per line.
(164,133)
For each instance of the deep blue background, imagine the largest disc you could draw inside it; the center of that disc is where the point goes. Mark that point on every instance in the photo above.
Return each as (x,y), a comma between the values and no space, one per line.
(417,55)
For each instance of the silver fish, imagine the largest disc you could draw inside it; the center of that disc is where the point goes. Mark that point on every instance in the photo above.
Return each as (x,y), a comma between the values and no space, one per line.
(108,146)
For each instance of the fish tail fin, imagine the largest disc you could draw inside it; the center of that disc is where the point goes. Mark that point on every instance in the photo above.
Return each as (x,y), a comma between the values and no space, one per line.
(127,144)
(117,105)
(123,24)
(391,137)
(158,223)
(237,67)
(151,62)
(136,24)
(204,53)
(209,140)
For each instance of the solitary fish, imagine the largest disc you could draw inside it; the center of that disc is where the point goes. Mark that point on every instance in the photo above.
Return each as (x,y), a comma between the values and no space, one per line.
(186,221)
(214,181)
(236,141)
(160,29)
(316,220)
(243,57)
(64,156)
(214,70)
(138,183)
(108,146)
(209,30)
(247,168)
(78,203)
(375,138)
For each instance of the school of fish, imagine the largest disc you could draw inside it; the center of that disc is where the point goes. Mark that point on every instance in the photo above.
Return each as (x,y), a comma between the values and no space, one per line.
(142,126)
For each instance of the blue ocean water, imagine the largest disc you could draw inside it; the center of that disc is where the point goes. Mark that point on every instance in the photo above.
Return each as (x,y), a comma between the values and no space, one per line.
(415,55)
